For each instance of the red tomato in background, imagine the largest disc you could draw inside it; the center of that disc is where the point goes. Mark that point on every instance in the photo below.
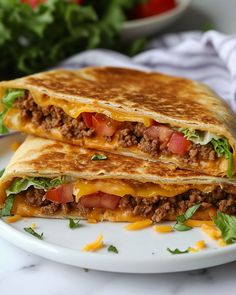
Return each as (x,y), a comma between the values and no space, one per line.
(152,7)
(178,144)
(61,194)
(100,200)
(33,3)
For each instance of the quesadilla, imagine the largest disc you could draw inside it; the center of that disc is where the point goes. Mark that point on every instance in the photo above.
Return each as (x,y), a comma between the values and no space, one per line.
(48,178)
(145,115)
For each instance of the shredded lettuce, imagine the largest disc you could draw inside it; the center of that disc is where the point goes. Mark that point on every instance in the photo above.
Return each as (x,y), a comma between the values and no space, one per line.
(6,211)
(10,96)
(220,145)
(1,172)
(227,225)
(20,184)
(198,137)
(222,148)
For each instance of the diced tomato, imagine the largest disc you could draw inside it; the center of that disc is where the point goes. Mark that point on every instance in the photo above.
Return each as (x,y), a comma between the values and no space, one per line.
(161,132)
(103,125)
(109,201)
(91,200)
(152,7)
(61,194)
(100,200)
(87,117)
(178,144)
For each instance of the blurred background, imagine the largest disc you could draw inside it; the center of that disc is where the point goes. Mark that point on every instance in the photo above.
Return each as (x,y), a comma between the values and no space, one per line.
(37,34)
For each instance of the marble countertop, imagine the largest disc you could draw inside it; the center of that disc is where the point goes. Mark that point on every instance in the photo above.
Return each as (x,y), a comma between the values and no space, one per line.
(26,273)
(23,273)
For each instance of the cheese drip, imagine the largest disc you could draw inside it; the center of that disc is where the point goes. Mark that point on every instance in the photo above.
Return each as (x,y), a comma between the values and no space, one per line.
(121,188)
(74,109)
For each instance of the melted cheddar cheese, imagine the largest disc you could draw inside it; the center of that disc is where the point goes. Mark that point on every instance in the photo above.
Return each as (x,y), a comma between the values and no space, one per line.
(74,109)
(138,224)
(162,229)
(121,188)
(95,245)
(211,231)
(13,218)
(198,223)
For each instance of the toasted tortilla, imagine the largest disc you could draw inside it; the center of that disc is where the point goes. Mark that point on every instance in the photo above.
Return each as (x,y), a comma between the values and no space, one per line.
(38,157)
(128,95)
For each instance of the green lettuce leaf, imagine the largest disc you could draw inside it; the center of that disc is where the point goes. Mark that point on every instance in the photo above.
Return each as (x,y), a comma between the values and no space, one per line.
(22,184)
(10,96)
(222,148)
(220,145)
(35,39)
(6,211)
(180,226)
(227,225)
(198,137)
(1,172)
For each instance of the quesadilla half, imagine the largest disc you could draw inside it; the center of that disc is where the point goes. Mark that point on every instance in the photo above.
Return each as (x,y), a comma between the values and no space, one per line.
(146,115)
(53,179)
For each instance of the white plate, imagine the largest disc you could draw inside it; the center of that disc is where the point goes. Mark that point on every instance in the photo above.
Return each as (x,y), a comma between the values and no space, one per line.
(141,251)
(149,25)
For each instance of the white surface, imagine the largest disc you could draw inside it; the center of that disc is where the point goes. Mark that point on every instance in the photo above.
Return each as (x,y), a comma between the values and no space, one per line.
(150,25)
(143,251)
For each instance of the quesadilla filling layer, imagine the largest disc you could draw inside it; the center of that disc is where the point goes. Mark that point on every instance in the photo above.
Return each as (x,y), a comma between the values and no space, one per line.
(91,198)
(191,146)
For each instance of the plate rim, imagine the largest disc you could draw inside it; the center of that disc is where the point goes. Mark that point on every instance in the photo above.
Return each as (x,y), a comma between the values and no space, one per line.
(115,263)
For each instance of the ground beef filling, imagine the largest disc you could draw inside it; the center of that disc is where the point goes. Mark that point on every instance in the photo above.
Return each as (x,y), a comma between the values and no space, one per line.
(134,134)
(156,208)
(52,117)
(130,133)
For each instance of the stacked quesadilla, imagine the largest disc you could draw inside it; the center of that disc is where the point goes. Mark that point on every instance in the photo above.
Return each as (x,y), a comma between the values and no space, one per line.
(122,145)
(46,178)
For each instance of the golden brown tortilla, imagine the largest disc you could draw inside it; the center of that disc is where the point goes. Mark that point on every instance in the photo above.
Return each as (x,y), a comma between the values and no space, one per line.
(138,95)
(38,157)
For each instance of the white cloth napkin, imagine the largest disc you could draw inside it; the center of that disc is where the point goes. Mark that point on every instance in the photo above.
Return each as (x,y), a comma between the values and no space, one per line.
(207,57)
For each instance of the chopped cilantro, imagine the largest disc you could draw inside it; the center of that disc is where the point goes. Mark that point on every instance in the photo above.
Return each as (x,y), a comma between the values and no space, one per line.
(113,249)
(177,251)
(180,226)
(33,233)
(73,224)
(98,157)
